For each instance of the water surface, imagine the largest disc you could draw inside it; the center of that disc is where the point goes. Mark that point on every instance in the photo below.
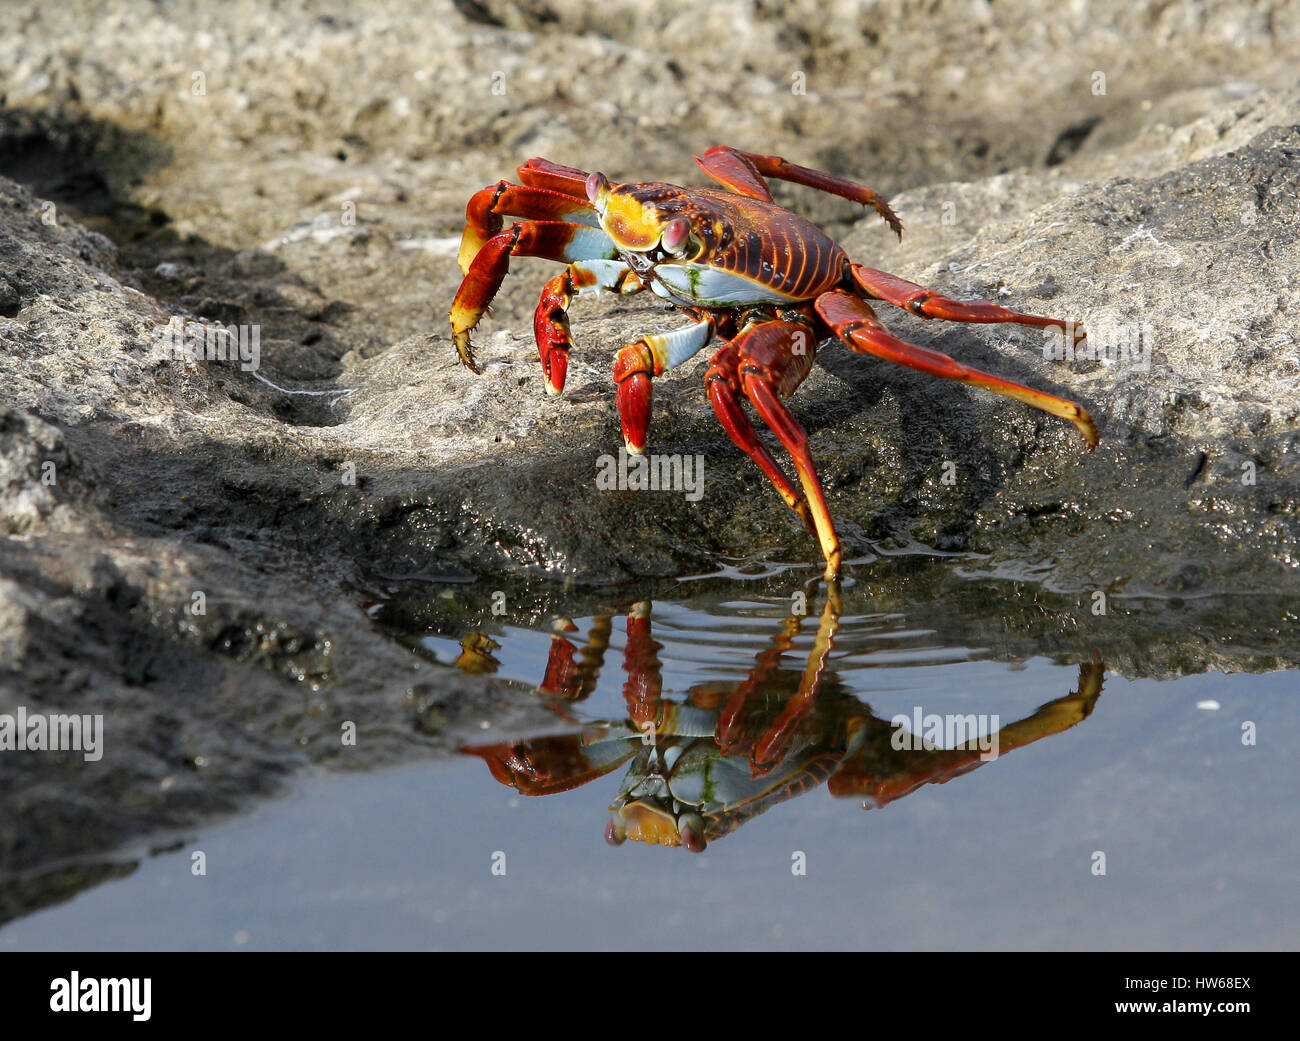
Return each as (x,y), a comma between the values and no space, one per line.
(1198,828)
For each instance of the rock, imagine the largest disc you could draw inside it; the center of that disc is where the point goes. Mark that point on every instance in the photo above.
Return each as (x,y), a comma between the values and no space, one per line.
(301,174)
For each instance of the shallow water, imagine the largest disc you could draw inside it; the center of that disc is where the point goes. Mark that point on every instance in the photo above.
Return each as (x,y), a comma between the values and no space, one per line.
(1197,826)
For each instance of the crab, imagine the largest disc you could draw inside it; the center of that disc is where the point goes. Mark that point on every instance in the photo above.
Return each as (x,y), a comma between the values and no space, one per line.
(764,280)
(700,767)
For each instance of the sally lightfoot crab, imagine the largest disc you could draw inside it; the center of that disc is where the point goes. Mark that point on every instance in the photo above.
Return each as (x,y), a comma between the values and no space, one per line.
(764,280)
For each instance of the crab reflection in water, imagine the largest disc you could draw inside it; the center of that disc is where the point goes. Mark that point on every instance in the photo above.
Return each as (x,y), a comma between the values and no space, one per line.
(702,766)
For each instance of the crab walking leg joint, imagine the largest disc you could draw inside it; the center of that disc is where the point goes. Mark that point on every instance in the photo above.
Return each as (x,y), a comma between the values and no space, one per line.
(765,279)
(638,363)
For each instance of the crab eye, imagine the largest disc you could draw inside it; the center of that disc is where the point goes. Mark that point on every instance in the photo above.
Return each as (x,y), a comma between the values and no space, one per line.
(596,186)
(691,829)
(675,234)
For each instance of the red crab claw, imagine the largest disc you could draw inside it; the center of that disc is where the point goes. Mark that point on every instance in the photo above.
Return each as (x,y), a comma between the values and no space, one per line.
(550,240)
(484,215)
(545,765)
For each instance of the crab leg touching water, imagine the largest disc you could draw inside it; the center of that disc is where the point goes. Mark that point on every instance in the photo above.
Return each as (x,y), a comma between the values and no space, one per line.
(766,363)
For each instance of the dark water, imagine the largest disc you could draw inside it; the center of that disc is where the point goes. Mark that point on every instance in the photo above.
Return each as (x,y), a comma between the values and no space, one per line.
(1156,781)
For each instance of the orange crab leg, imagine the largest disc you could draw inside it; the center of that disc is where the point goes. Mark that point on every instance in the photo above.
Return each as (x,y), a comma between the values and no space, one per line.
(727,166)
(735,169)
(854,322)
(926,303)
(772,746)
(758,388)
(548,765)
(880,776)
(551,240)
(483,215)
(730,732)
(722,382)
(774,358)
(542,173)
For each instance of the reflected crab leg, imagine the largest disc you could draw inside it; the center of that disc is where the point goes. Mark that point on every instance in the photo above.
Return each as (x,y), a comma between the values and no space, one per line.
(550,240)
(644,685)
(546,765)
(730,731)
(476,654)
(771,747)
(880,773)
(564,677)
(1059,714)
(854,322)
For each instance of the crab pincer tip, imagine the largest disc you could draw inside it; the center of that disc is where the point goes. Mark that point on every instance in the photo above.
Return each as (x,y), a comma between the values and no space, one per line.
(466,352)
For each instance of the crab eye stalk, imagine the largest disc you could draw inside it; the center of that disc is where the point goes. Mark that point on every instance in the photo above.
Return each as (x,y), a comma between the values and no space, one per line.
(597,186)
(676,233)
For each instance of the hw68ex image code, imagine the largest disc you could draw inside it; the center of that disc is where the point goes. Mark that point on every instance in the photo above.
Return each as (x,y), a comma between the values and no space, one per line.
(1185,995)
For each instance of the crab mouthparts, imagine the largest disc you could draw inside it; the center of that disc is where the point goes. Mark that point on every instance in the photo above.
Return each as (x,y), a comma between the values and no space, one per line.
(642,821)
